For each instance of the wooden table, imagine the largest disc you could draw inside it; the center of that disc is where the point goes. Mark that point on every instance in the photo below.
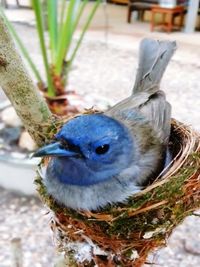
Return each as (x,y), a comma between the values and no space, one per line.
(171,13)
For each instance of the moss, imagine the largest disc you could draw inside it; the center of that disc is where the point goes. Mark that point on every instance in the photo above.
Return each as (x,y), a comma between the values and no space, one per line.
(138,202)
(124,225)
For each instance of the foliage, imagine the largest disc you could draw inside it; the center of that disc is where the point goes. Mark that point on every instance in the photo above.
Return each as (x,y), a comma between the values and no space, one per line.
(62,20)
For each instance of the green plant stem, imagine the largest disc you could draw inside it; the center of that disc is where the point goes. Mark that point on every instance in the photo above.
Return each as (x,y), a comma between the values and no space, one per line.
(38,13)
(86,26)
(20,89)
(65,38)
(62,15)
(79,14)
(52,8)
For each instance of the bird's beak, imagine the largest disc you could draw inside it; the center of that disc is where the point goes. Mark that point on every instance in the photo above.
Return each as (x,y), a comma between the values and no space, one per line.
(54,149)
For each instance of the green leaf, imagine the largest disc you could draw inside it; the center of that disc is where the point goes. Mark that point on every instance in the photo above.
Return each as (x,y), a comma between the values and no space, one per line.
(66,36)
(79,14)
(40,28)
(52,8)
(85,28)
(62,15)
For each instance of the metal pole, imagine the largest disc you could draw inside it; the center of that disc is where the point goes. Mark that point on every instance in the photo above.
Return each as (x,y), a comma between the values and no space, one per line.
(191,17)
(16,248)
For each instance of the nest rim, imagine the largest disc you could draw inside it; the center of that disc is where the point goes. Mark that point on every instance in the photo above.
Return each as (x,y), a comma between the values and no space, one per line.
(186,149)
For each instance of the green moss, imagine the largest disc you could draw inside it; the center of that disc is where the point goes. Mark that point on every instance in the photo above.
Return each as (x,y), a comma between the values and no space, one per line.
(138,202)
(165,216)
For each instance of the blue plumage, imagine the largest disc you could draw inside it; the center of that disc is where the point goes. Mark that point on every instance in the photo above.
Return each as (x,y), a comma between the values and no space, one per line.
(101,159)
(102,146)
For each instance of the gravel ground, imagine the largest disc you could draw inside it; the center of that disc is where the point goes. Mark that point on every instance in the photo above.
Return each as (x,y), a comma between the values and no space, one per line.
(108,70)
(24,217)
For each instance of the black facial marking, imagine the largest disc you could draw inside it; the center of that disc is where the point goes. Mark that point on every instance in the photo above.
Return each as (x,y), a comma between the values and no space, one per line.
(65,144)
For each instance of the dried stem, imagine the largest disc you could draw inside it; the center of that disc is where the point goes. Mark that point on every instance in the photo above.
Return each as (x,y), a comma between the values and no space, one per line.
(20,89)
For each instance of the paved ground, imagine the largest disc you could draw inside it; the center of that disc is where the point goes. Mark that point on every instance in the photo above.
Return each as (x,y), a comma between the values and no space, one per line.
(106,65)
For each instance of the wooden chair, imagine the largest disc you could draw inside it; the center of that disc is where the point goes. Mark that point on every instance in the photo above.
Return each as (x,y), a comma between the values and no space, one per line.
(171,14)
(140,7)
(5,4)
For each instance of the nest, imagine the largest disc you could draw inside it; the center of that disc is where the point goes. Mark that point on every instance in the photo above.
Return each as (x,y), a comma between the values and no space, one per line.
(123,235)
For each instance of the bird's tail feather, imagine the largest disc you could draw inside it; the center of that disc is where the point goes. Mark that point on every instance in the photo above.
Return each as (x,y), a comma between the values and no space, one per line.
(153,60)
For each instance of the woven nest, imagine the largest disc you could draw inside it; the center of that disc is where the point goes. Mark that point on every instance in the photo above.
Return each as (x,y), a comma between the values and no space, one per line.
(126,233)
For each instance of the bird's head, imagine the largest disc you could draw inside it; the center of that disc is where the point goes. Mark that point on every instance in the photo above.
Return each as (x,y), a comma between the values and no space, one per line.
(89,149)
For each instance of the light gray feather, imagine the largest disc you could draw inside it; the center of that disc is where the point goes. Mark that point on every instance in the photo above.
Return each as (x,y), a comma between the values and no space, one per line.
(146,97)
(154,57)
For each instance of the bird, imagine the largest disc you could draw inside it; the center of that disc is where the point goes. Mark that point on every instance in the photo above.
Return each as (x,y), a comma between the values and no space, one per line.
(101,159)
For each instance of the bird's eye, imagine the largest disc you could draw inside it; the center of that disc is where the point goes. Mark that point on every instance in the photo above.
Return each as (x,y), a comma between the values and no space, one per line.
(102,149)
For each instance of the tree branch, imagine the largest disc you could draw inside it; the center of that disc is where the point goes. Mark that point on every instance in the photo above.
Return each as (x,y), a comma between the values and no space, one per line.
(20,89)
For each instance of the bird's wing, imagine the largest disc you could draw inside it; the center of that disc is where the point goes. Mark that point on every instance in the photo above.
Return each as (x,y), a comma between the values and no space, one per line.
(146,99)
(145,107)
(158,112)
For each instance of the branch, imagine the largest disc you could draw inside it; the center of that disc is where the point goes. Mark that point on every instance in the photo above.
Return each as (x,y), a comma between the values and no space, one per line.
(20,89)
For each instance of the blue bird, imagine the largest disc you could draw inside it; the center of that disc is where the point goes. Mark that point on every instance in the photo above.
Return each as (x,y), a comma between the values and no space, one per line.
(104,158)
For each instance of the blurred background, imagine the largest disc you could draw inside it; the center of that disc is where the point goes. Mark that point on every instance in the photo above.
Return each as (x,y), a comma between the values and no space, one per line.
(103,72)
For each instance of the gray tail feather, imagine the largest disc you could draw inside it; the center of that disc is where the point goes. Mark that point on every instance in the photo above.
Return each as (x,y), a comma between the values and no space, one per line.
(153,60)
